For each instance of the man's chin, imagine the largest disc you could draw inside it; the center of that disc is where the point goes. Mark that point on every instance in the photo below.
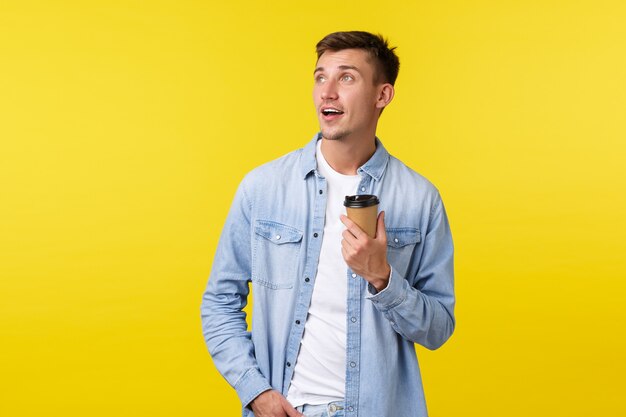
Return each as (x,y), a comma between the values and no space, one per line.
(333,135)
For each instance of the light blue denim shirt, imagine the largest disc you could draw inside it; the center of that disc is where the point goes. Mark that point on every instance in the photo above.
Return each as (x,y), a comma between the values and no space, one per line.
(272,238)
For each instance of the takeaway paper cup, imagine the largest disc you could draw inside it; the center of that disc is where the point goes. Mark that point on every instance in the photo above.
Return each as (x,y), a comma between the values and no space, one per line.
(363,210)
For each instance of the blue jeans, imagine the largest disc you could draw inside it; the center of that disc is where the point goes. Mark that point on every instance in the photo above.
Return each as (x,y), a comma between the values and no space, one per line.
(334,409)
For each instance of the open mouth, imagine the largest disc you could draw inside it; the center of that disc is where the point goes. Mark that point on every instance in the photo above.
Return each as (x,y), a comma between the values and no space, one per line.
(329,112)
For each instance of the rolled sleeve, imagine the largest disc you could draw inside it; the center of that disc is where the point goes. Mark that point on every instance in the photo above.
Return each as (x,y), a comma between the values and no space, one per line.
(390,296)
(250,386)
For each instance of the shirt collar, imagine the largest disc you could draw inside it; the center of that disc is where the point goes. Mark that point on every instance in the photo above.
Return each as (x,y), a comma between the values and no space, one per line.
(374,167)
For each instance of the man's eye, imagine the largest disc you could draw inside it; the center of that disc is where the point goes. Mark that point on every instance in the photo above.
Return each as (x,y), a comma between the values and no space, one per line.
(347,78)
(320,79)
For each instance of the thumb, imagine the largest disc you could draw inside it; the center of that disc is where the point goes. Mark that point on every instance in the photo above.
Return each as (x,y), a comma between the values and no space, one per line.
(292,412)
(289,410)
(380,227)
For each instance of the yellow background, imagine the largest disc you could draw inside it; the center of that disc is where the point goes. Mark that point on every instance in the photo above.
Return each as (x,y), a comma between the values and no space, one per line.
(125,127)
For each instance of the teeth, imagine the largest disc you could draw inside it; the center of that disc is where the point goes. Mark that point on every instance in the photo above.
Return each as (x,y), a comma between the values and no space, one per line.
(331,111)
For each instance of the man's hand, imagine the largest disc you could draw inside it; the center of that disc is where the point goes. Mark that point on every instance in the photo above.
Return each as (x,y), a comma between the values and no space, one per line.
(364,255)
(272,404)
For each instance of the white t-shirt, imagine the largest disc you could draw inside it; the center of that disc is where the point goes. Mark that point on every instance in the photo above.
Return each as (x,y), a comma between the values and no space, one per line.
(320,372)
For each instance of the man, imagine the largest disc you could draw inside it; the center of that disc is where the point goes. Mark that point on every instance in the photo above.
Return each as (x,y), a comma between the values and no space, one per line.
(336,313)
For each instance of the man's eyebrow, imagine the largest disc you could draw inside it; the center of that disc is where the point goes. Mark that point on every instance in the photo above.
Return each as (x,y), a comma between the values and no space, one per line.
(346,67)
(341,67)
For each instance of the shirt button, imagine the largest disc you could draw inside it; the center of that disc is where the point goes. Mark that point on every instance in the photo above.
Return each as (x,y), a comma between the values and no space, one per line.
(353,319)
(362,188)
(350,409)
(277,237)
(307,279)
(393,323)
(315,234)
(353,275)
(288,364)
(321,191)
(353,364)
(396,240)
(297,321)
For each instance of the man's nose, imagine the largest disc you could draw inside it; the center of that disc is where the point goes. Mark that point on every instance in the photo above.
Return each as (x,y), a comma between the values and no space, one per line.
(329,91)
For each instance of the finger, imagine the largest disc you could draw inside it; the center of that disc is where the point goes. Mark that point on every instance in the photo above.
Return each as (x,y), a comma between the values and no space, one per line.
(353,227)
(350,250)
(350,238)
(291,412)
(345,255)
(294,413)
(380,227)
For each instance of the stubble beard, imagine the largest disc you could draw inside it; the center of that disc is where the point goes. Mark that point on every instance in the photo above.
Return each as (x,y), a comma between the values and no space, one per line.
(334,135)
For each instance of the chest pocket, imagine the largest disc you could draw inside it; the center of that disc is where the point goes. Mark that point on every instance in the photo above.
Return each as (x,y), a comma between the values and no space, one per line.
(401,245)
(276,254)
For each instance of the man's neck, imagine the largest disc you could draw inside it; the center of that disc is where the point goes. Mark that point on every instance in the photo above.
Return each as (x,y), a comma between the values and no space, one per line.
(346,156)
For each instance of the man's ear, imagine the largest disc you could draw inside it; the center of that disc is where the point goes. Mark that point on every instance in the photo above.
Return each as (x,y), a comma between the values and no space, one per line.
(385,95)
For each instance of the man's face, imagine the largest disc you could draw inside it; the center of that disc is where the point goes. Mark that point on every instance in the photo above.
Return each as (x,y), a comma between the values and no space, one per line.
(344,94)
